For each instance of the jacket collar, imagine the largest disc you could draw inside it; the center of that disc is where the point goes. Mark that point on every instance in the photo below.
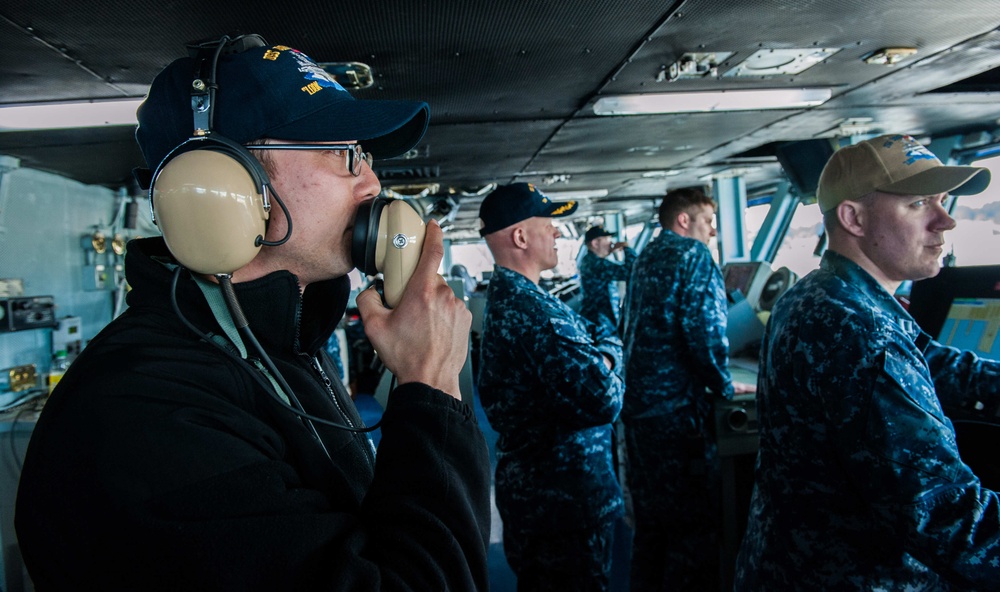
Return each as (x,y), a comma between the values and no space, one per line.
(278,315)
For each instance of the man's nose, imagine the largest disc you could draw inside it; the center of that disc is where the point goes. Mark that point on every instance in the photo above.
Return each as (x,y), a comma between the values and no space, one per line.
(944,221)
(369,182)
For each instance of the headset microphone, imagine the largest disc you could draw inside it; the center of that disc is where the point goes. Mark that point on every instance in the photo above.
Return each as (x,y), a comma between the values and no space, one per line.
(388,238)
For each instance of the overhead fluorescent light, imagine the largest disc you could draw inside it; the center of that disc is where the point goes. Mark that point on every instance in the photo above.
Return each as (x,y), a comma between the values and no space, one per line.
(730,173)
(40,116)
(724,100)
(579,194)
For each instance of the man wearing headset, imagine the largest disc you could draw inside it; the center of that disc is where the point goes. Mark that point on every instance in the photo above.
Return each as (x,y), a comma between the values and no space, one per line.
(160,463)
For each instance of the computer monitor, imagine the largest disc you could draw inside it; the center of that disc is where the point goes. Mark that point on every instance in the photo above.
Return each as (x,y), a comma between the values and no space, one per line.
(961,307)
(973,324)
(931,299)
(748,277)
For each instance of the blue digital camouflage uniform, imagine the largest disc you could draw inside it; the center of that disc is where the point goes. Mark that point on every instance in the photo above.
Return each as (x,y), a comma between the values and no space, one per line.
(548,394)
(599,279)
(859,484)
(332,347)
(676,361)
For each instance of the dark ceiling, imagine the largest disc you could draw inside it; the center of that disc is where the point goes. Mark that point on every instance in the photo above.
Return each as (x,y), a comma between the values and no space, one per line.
(512,84)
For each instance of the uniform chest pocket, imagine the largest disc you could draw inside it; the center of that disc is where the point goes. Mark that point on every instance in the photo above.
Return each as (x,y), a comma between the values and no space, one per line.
(575,354)
(569,331)
(905,424)
(913,379)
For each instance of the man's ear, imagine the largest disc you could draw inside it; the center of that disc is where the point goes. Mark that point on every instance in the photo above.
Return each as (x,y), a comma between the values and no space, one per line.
(684,221)
(518,237)
(852,217)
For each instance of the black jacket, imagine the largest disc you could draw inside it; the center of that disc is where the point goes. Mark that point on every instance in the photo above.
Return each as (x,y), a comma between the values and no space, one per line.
(159,463)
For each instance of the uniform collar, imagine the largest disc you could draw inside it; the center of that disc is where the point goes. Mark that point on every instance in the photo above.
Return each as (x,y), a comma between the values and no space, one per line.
(514,277)
(854,275)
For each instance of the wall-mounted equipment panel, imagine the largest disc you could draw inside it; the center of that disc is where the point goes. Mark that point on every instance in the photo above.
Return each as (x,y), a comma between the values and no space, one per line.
(28,312)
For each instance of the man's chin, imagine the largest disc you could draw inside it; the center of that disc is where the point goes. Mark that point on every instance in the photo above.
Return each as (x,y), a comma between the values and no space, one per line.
(926,273)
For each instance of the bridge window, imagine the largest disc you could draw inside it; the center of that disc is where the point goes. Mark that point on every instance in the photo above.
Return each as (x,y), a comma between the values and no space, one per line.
(976,238)
(475,256)
(797,248)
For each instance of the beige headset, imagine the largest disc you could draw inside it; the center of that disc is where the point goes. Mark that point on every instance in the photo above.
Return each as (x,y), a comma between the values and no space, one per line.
(210,196)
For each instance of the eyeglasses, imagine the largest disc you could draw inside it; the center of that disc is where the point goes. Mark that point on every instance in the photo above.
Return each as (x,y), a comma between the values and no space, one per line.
(355,155)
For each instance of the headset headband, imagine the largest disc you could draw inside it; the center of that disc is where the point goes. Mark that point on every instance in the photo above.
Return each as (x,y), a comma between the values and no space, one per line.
(206,56)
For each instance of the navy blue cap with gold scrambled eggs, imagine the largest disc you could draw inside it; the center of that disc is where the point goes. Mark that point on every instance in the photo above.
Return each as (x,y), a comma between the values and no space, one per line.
(510,204)
(274,91)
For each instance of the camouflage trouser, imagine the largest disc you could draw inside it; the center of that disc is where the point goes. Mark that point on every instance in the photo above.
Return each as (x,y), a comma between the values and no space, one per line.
(674,482)
(578,560)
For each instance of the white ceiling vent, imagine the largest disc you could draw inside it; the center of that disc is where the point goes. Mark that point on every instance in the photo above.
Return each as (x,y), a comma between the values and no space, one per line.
(775,62)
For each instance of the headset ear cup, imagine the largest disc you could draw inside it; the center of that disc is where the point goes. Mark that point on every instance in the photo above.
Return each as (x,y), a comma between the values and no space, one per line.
(359,238)
(208,201)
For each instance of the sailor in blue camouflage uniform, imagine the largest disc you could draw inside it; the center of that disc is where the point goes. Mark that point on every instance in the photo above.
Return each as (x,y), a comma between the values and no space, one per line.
(676,356)
(859,484)
(599,277)
(550,384)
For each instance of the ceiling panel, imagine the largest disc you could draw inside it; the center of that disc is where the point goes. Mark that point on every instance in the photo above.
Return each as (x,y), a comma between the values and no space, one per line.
(512,84)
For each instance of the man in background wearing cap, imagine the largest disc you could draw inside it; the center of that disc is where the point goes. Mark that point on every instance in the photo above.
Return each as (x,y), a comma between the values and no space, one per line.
(550,383)
(599,277)
(859,483)
(677,361)
(161,463)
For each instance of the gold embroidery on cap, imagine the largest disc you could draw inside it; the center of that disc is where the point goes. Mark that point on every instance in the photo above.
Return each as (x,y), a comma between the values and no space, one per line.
(563,208)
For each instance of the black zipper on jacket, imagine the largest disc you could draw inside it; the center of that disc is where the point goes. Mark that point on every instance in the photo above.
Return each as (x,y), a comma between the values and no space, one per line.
(340,408)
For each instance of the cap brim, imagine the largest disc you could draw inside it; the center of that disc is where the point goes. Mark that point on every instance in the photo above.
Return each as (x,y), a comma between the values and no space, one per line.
(384,128)
(596,235)
(956,180)
(559,209)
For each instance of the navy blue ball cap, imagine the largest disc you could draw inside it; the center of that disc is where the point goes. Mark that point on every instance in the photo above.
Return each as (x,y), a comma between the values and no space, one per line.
(510,204)
(595,232)
(274,92)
